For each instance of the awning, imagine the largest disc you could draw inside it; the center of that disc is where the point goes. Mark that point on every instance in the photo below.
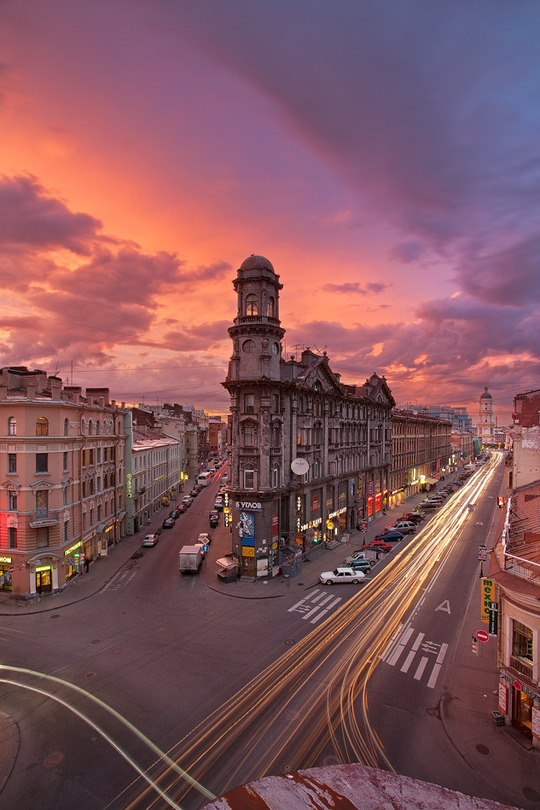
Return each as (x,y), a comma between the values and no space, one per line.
(430,480)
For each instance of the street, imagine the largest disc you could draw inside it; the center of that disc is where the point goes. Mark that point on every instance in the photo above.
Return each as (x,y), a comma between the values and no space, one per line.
(234,688)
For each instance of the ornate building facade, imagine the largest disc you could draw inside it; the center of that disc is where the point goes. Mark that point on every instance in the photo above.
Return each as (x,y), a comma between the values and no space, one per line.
(310,457)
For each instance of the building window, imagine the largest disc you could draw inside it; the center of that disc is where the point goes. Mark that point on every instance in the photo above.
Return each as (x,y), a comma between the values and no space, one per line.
(98,428)
(249,479)
(90,428)
(98,454)
(249,403)
(252,304)
(42,504)
(66,427)
(275,478)
(12,537)
(66,531)
(12,462)
(91,517)
(42,426)
(522,642)
(99,512)
(12,501)
(91,456)
(270,308)
(12,426)
(250,434)
(248,346)
(42,462)
(65,461)
(42,537)
(65,495)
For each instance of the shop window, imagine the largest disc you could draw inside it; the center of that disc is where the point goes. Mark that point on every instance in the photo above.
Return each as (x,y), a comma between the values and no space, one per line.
(12,501)
(12,537)
(12,462)
(42,462)
(252,304)
(42,426)
(12,426)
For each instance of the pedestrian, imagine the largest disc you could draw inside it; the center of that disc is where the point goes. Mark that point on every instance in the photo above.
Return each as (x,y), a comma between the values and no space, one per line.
(86,565)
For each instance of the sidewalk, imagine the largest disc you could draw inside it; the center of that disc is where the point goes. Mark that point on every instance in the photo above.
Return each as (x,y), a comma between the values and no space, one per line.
(500,757)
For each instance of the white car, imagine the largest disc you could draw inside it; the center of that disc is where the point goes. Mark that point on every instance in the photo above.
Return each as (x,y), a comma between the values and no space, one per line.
(341,575)
(150,540)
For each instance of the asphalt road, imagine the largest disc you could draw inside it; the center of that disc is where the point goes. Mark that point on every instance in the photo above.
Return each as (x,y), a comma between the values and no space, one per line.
(233,688)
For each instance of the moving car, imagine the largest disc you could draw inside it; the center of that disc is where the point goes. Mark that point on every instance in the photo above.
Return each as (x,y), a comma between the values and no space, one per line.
(150,540)
(356,555)
(213,518)
(218,504)
(341,575)
(388,536)
(168,523)
(204,538)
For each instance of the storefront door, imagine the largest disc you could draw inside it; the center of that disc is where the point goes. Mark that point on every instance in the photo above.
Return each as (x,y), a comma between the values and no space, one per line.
(248,566)
(522,712)
(43,580)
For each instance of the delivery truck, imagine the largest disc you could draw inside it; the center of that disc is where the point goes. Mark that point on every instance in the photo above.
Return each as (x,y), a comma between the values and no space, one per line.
(190,559)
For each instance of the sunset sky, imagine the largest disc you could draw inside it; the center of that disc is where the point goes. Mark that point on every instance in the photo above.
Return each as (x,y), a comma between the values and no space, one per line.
(383,155)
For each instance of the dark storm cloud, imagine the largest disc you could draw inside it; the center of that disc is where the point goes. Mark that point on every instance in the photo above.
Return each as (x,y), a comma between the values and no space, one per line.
(508,277)
(30,219)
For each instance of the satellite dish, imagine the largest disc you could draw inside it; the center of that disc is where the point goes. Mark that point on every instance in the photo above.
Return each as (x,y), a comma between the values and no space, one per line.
(300,466)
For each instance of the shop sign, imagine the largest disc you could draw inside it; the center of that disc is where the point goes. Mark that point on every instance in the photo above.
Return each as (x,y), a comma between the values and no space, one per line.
(69,550)
(43,568)
(535,722)
(247,551)
(6,560)
(248,505)
(487,596)
(493,618)
(129,491)
(503,698)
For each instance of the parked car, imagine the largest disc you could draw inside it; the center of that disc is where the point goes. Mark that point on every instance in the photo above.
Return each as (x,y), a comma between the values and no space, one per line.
(181,508)
(414,517)
(168,523)
(431,504)
(356,555)
(176,513)
(194,492)
(213,519)
(403,526)
(187,500)
(150,540)
(389,536)
(362,565)
(377,544)
(341,575)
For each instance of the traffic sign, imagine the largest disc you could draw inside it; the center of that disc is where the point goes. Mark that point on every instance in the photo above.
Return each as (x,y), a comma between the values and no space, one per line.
(481,635)
(205,547)
(11,569)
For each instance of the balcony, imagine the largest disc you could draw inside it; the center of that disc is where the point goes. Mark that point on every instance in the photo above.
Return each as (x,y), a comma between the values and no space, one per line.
(43,517)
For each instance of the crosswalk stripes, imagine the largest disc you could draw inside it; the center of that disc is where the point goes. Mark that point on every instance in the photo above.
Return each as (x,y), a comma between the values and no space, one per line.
(419,647)
(315,606)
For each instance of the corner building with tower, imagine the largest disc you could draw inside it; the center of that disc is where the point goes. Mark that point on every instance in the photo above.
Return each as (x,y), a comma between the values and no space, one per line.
(310,457)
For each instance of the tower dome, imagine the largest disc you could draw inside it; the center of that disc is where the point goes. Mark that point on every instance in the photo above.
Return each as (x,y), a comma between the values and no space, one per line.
(486,394)
(256,262)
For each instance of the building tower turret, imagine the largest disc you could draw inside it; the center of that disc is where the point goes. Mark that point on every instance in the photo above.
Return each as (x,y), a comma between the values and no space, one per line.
(486,424)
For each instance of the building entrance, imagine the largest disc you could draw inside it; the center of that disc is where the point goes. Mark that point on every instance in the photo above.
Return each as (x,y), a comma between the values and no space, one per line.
(522,712)
(43,580)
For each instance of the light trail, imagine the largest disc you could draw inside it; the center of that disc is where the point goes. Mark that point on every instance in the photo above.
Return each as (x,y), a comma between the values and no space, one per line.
(320,682)
(89,721)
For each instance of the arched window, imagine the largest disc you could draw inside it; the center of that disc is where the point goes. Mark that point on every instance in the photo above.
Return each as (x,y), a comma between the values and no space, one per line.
(42,426)
(98,428)
(270,307)
(252,304)
(66,427)
(90,427)
(12,426)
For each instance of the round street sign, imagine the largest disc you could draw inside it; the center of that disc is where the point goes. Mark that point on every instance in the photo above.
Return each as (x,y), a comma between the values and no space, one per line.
(481,635)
